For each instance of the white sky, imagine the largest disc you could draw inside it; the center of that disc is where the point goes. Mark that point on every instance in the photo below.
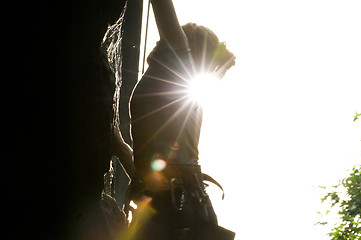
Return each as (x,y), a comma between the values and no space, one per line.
(282,122)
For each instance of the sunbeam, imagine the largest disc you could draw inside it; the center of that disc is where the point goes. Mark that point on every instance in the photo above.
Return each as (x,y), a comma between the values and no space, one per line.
(170,93)
(179,111)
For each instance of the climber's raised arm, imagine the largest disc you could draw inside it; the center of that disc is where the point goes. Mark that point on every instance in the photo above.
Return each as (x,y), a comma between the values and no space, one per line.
(168,24)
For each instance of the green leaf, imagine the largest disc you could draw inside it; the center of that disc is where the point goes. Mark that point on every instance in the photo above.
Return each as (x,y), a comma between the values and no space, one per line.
(356,116)
(321,223)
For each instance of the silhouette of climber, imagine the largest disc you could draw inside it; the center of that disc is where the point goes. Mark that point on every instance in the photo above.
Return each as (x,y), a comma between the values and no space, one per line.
(166,126)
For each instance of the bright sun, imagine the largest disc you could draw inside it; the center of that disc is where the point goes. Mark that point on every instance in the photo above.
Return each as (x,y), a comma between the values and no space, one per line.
(204,87)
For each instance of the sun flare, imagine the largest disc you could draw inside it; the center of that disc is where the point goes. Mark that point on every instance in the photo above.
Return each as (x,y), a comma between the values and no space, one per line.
(203,88)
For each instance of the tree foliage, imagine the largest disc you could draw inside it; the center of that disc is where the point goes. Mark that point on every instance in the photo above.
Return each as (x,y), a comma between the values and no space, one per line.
(348,204)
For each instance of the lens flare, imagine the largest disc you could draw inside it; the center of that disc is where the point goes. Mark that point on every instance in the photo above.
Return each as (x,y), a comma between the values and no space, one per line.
(158,165)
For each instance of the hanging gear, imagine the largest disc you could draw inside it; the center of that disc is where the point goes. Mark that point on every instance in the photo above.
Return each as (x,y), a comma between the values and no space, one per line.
(183,208)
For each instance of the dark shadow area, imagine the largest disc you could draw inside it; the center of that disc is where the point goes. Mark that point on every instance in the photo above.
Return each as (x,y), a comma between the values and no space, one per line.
(57,100)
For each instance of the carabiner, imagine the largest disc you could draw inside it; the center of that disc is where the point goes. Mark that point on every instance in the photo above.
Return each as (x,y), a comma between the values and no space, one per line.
(174,181)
